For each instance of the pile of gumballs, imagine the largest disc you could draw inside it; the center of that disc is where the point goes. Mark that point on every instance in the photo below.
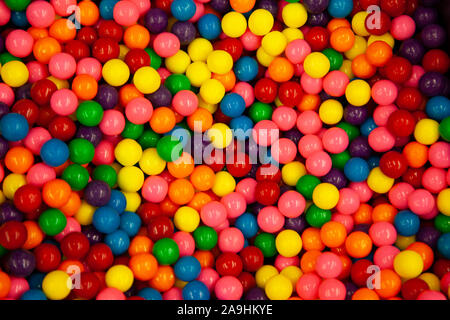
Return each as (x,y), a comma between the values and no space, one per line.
(224,149)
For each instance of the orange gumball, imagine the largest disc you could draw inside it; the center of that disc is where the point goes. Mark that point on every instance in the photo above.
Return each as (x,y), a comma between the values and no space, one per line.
(37,33)
(342,39)
(311,239)
(139,245)
(309,102)
(378,53)
(168,207)
(333,234)
(362,68)
(228,79)
(162,120)
(72,205)
(384,212)
(164,279)
(308,261)
(281,69)
(136,37)
(34,235)
(144,266)
(203,178)
(416,154)
(363,214)
(182,167)
(206,258)
(89,13)
(337,23)
(85,87)
(63,30)
(200,121)
(5,284)
(390,284)
(56,193)
(19,160)
(346,266)
(71,267)
(358,244)
(425,252)
(127,93)
(60,169)
(365,294)
(199,200)
(242,6)
(181,191)
(45,48)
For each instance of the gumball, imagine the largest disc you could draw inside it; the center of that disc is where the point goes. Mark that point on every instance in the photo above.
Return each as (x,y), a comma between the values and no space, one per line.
(408,264)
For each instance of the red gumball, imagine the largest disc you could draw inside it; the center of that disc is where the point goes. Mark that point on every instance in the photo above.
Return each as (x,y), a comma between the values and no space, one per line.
(105,49)
(436,60)
(28,109)
(77,49)
(412,288)
(229,264)
(441,267)
(13,235)
(124,260)
(393,164)
(317,38)
(397,69)
(160,227)
(394,8)
(89,286)
(167,176)
(411,6)
(163,4)
(99,257)
(137,58)
(252,258)
(75,245)
(409,98)
(110,29)
(377,23)
(215,160)
(27,198)
(42,90)
(268,172)
(401,123)
(88,35)
(147,211)
(220,117)
(413,176)
(46,114)
(266,90)
(247,280)
(360,272)
(238,165)
(364,4)
(47,257)
(231,45)
(267,192)
(62,127)
(290,93)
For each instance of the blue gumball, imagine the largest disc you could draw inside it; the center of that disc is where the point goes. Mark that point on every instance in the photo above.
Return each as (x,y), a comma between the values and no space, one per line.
(54,152)
(367,127)
(33,294)
(340,8)
(187,268)
(149,294)
(232,105)
(373,162)
(443,245)
(242,127)
(106,219)
(195,290)
(130,222)
(406,223)
(248,225)
(246,69)
(209,26)
(183,10)
(356,169)
(118,241)
(438,108)
(13,127)
(117,201)
(19,19)
(180,133)
(35,280)
(106,8)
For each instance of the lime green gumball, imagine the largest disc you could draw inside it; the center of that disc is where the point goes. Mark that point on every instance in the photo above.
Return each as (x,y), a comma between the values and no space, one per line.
(205,238)
(76,176)
(177,82)
(132,130)
(260,111)
(266,243)
(81,151)
(52,221)
(169,148)
(89,113)
(317,217)
(166,251)
(105,173)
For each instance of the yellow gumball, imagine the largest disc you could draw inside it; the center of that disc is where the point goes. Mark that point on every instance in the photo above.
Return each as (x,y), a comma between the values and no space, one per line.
(432,281)
(56,285)
(85,214)
(387,37)
(59,83)
(219,61)
(316,65)
(331,111)
(359,47)
(198,73)
(123,50)
(264,274)
(234,24)
(11,183)
(358,93)
(263,57)
(347,69)
(288,243)
(260,22)
(186,219)
(130,179)
(294,15)
(212,91)
(211,107)
(292,171)
(178,63)
(119,277)
(147,80)
(2,197)
(133,201)
(128,152)
(379,182)
(14,73)
(151,163)
(325,196)
(292,34)
(115,72)
(408,264)
(224,184)
(293,273)
(199,49)
(426,131)
(358,24)
(403,242)
(443,202)
(220,135)
(274,43)
(279,287)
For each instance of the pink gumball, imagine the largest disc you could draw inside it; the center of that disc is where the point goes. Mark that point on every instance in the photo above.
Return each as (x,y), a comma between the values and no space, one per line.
(430,215)
(18,287)
(90,66)
(104,153)
(247,188)
(332,289)
(398,195)
(64,7)
(309,144)
(126,13)
(185,102)
(142,5)
(291,204)
(113,122)
(235,204)
(173,293)
(19,43)
(344,219)
(348,201)
(335,83)
(36,137)
(335,140)
(163,73)
(298,69)
(403,27)
(5,13)
(139,110)
(185,242)
(208,276)
(297,50)
(166,44)
(285,118)
(39,174)
(283,150)
(363,190)
(270,219)
(311,85)
(431,295)
(62,66)
(416,74)
(40,14)
(64,102)
(231,240)
(433,179)
(265,132)
(155,189)
(250,41)
(382,113)
(381,139)
(6,94)
(421,201)
(384,257)
(213,214)
(439,155)
(328,265)
(72,225)
(245,90)
(319,163)
(228,288)
(110,294)
(37,71)
(307,286)
(383,233)
(308,122)
(199,11)
(224,225)
(384,92)
(284,262)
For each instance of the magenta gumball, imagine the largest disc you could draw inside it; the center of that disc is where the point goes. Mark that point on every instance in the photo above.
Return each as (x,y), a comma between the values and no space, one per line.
(126,13)
(250,41)
(335,140)
(282,262)
(39,174)
(90,66)
(72,225)
(403,27)
(345,219)
(265,132)
(328,265)
(113,122)
(297,50)
(332,289)
(155,189)
(185,242)
(40,14)
(270,219)
(37,71)
(18,287)
(64,102)
(309,144)
(62,66)
(139,110)
(247,188)
(63,7)
(245,90)
(231,240)
(416,73)
(104,153)
(228,288)
(335,83)
(284,117)
(348,201)
(19,43)
(308,122)
(307,286)
(384,256)
(213,214)
(381,139)
(433,179)
(173,293)
(36,138)
(166,44)
(311,85)
(209,277)
(383,233)
(421,202)
(234,203)
(399,193)
(291,204)
(362,189)
(185,102)
(6,94)
(283,150)
(319,163)
(439,155)
(382,113)
(5,13)
(384,92)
